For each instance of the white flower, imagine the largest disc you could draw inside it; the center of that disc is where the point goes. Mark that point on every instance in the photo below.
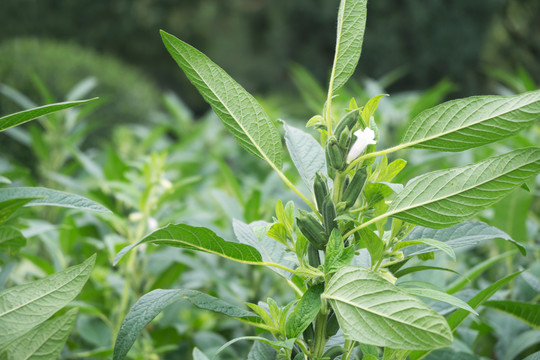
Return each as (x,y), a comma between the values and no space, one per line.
(363,139)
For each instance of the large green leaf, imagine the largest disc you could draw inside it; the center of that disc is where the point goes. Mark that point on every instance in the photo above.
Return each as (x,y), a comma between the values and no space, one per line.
(12,120)
(151,304)
(25,306)
(467,234)
(49,197)
(306,153)
(372,311)
(200,239)
(440,296)
(466,123)
(304,312)
(447,197)
(527,312)
(241,114)
(350,35)
(45,341)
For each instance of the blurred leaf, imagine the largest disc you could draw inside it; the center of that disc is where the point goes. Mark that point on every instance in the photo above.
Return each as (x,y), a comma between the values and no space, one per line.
(476,271)
(49,197)
(199,239)
(261,351)
(8,207)
(11,239)
(12,120)
(443,198)
(512,212)
(521,343)
(239,111)
(467,234)
(306,153)
(527,312)
(151,304)
(463,124)
(45,341)
(199,355)
(440,296)
(270,250)
(373,311)
(25,306)
(435,244)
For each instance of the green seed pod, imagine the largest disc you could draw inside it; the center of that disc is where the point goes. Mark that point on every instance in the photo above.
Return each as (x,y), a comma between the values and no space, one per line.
(333,352)
(312,229)
(345,140)
(334,155)
(355,187)
(332,325)
(313,256)
(320,189)
(329,215)
(349,120)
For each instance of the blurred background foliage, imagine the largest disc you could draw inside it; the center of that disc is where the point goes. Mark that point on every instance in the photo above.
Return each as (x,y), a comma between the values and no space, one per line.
(257,40)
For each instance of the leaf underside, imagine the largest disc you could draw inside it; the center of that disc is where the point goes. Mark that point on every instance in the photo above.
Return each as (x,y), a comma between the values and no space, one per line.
(373,311)
(463,124)
(444,198)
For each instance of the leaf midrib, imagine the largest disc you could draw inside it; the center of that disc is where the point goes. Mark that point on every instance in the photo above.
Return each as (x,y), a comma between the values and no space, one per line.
(426,139)
(456,193)
(48,293)
(270,162)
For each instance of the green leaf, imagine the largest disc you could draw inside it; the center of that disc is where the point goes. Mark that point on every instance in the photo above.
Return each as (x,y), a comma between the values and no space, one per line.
(199,239)
(11,239)
(375,192)
(529,313)
(467,123)
(199,355)
(535,356)
(306,153)
(21,117)
(45,341)
(435,244)
(512,212)
(440,296)
(287,344)
(304,312)
(521,343)
(238,110)
(447,197)
(373,244)
(457,317)
(8,207)
(350,35)
(372,311)
(151,304)
(25,306)
(413,269)
(337,255)
(4,180)
(261,351)
(467,234)
(270,250)
(370,108)
(49,197)
(473,273)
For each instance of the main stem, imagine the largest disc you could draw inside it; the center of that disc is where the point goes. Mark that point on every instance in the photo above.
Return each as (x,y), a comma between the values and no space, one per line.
(320,335)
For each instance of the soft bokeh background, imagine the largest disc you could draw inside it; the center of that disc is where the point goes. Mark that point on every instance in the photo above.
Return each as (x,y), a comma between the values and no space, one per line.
(256,41)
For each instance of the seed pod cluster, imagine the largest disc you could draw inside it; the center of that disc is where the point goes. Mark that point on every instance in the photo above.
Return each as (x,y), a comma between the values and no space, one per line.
(320,189)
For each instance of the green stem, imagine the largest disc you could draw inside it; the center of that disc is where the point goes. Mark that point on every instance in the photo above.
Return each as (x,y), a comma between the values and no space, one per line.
(374,154)
(349,347)
(320,335)
(366,224)
(339,181)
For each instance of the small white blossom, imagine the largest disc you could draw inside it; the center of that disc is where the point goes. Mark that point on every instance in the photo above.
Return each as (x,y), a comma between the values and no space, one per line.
(363,139)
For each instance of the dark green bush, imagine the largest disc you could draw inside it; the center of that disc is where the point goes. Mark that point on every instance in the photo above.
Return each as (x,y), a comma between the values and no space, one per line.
(127,94)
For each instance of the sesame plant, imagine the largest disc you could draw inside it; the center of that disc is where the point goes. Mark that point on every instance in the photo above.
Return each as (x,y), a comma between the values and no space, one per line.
(33,322)
(343,246)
